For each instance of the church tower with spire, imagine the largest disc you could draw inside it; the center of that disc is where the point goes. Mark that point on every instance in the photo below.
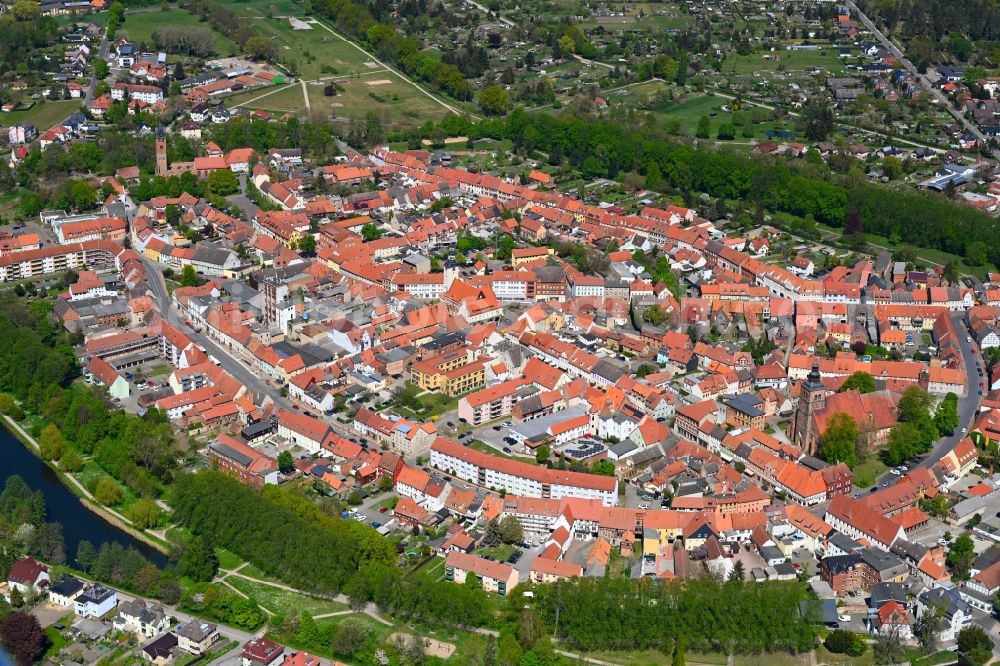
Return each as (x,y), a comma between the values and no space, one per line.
(161,151)
(812,399)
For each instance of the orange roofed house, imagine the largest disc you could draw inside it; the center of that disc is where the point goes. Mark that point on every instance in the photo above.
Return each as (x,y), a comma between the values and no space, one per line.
(494,576)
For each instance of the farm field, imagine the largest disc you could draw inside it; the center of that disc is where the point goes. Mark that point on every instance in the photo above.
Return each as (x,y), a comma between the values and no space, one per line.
(43,114)
(140,26)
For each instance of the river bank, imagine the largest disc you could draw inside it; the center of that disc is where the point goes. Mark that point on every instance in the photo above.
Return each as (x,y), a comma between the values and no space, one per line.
(82,495)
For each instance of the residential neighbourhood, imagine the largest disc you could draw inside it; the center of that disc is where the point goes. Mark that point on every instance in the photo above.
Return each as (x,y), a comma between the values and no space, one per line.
(565,335)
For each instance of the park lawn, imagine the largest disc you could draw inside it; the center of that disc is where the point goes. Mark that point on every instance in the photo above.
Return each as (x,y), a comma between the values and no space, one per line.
(284,602)
(869,469)
(690,111)
(396,100)
(227,560)
(649,657)
(382,633)
(790,60)
(246,8)
(44,114)
(282,99)
(140,26)
(251,570)
(770,659)
(944,657)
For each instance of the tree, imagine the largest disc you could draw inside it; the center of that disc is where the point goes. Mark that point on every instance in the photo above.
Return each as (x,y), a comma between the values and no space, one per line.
(371,232)
(818,119)
(350,637)
(704,128)
(285,462)
(727,132)
(679,648)
(738,573)
(844,642)
(223,182)
(542,453)
(308,633)
(511,530)
(198,560)
(930,625)
(530,629)
(888,648)
(307,243)
(903,439)
(960,557)
(71,461)
(508,650)
(86,554)
(566,45)
(852,224)
(946,417)
(505,247)
(107,491)
(144,514)
(189,277)
(860,381)
(837,442)
(492,535)
(975,645)
(22,635)
(9,406)
(51,443)
(494,101)
(259,47)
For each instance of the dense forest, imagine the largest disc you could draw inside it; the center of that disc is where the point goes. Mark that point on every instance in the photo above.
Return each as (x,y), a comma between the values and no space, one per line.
(291,538)
(624,614)
(23,528)
(23,34)
(37,368)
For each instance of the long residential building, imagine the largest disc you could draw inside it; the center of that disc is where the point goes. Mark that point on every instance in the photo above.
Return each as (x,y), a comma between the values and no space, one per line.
(519,478)
(58,258)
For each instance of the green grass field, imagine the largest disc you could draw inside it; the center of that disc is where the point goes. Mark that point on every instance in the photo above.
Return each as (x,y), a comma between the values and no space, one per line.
(866,471)
(789,61)
(43,114)
(284,602)
(320,56)
(140,26)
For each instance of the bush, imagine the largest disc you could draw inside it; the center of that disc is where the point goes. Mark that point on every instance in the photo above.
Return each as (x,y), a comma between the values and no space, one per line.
(844,642)
(107,492)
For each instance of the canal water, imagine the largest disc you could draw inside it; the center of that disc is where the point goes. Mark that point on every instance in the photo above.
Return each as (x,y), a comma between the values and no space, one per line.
(78,522)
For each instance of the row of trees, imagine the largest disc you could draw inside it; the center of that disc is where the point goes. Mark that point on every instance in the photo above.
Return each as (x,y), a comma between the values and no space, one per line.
(293,539)
(625,614)
(636,144)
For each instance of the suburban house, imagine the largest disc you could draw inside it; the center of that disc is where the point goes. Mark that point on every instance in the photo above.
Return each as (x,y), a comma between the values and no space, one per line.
(197,636)
(65,592)
(96,601)
(27,576)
